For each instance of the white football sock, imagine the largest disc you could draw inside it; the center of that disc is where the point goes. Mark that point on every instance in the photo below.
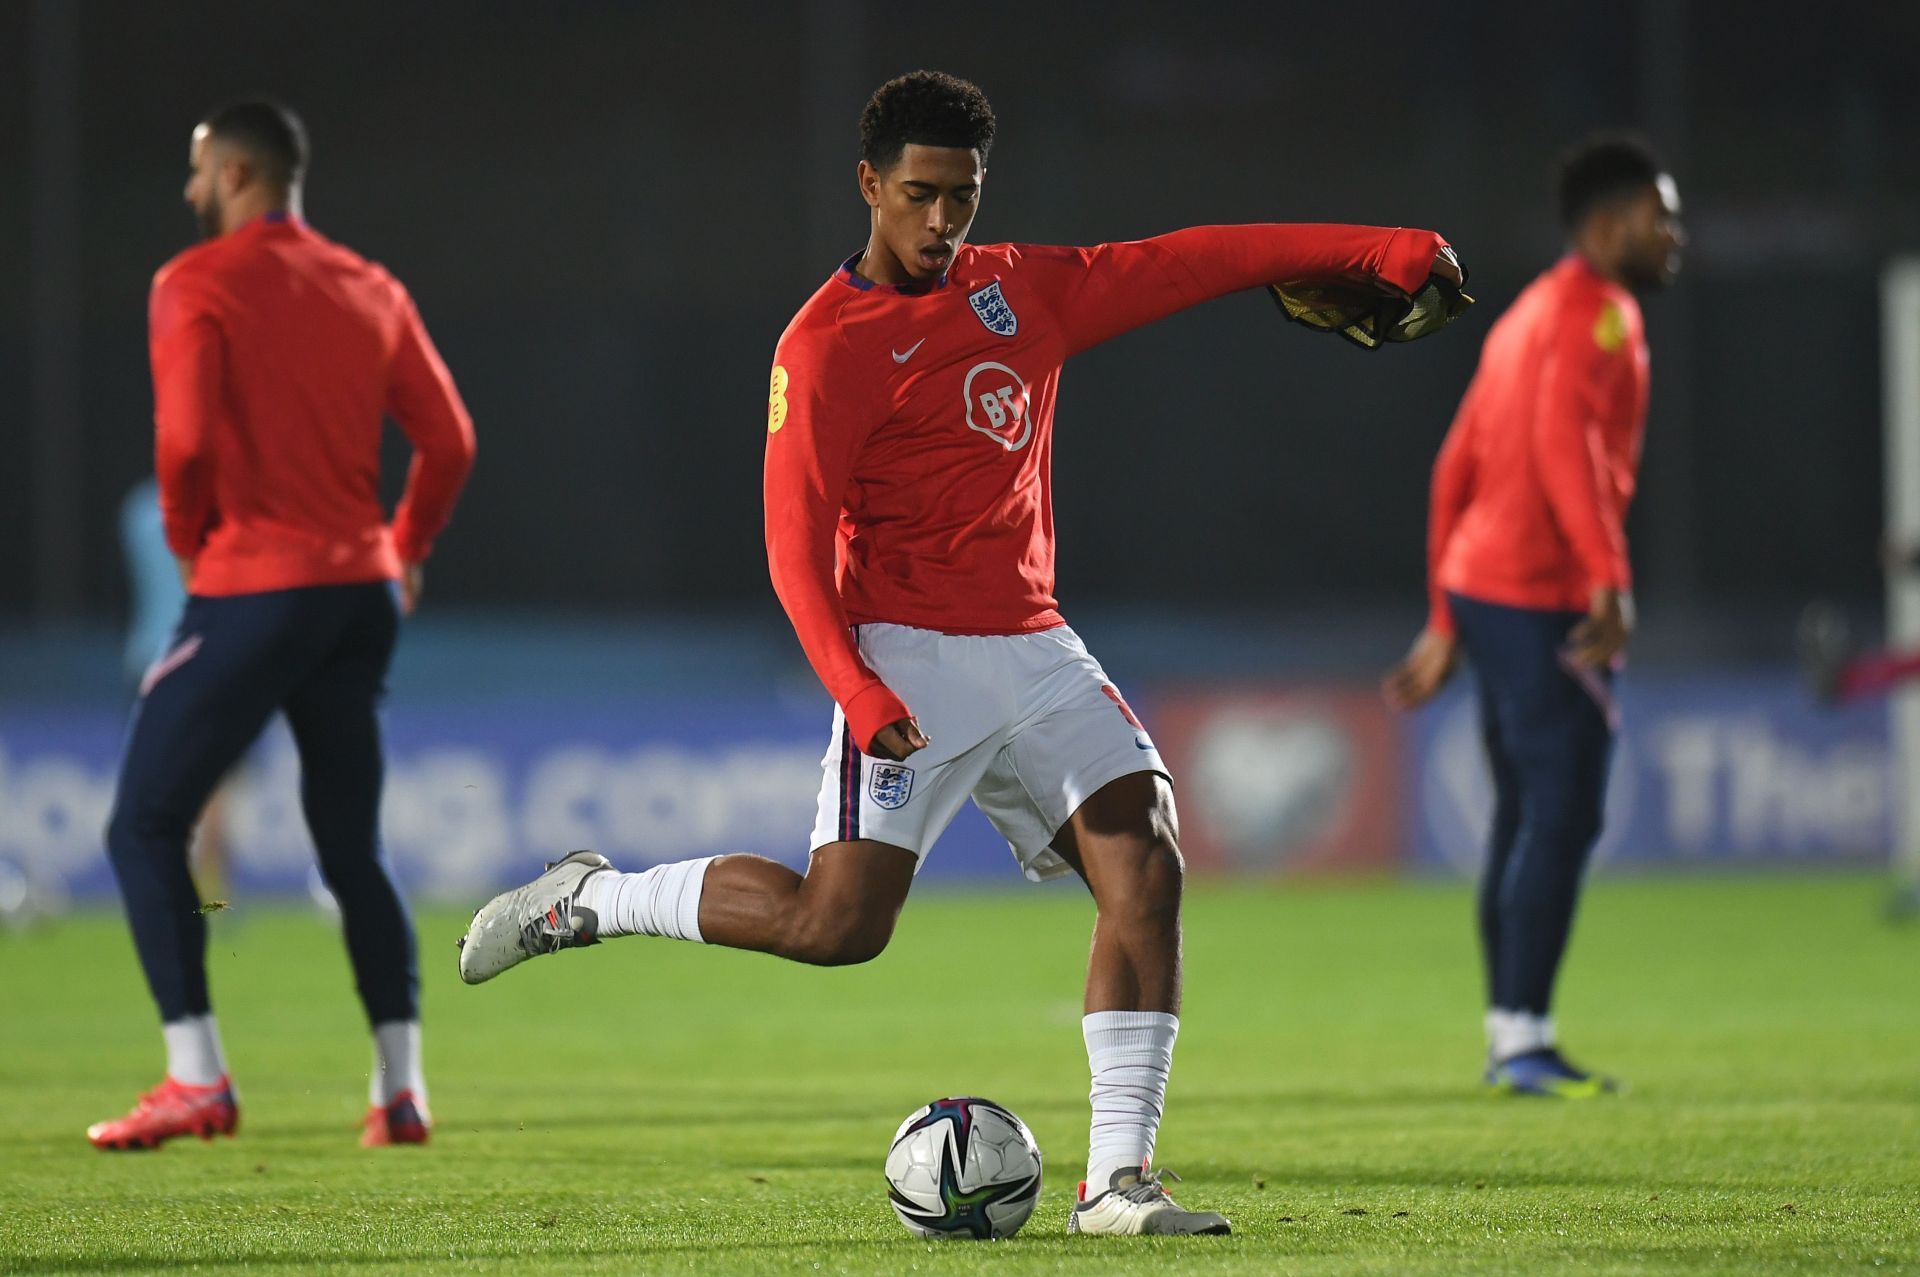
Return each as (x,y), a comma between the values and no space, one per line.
(662,901)
(396,1064)
(193,1050)
(1129,1053)
(1511,1033)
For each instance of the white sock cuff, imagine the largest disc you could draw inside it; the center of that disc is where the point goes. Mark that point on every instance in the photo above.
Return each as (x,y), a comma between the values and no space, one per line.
(683,883)
(193,1050)
(1511,1033)
(661,901)
(396,1063)
(1130,1031)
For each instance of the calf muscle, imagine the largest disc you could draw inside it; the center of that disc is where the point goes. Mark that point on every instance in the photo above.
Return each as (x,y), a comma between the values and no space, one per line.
(841,911)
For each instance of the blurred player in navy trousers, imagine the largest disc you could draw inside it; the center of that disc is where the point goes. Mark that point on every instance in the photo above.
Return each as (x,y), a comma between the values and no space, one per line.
(156,596)
(277,355)
(1528,574)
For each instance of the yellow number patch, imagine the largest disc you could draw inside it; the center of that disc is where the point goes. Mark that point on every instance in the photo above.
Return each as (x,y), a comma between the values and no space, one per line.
(777,401)
(1610,329)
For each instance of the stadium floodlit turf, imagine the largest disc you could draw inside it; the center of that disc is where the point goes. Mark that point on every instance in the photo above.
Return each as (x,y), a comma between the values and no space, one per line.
(654,1107)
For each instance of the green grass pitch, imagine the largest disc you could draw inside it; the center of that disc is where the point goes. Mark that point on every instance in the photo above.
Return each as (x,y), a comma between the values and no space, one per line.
(654,1107)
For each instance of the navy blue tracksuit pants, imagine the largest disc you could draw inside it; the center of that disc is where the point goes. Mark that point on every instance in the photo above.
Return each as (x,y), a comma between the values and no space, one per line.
(320,654)
(1548,728)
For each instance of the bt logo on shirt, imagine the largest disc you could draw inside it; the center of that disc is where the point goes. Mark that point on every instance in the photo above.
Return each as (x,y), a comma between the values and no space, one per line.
(996,400)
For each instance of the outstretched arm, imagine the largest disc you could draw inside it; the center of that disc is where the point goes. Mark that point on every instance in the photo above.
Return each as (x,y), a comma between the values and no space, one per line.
(811,445)
(1100,292)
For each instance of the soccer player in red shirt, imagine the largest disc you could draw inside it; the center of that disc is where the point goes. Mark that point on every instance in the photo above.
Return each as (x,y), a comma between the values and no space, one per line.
(1836,668)
(910,538)
(1528,574)
(276,356)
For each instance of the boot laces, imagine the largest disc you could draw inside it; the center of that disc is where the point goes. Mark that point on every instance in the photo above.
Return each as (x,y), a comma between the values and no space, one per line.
(553,929)
(1149,1187)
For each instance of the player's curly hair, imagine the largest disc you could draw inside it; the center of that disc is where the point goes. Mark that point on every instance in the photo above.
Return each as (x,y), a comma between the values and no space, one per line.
(1600,170)
(927,108)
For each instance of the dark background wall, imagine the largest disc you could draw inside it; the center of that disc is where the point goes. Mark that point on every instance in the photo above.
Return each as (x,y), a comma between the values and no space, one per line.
(608,212)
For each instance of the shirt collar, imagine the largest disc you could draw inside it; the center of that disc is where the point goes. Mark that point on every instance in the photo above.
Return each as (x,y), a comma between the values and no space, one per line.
(275,218)
(1576,264)
(847,276)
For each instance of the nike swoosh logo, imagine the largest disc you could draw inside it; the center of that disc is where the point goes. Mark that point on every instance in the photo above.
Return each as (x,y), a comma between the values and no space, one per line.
(899,358)
(169,663)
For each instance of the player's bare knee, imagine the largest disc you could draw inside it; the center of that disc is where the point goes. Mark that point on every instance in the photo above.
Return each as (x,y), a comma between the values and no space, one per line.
(1143,887)
(861,947)
(825,939)
(1163,877)
(848,950)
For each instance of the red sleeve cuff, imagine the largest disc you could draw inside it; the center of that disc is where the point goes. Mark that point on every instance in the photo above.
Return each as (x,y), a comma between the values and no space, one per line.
(409,548)
(1611,573)
(870,709)
(1408,259)
(184,539)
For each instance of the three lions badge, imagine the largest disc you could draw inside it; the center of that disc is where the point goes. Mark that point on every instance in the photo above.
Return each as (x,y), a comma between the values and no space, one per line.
(993,310)
(890,785)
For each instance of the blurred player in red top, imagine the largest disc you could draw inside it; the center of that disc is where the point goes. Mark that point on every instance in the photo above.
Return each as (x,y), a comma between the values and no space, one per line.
(1837,669)
(1528,573)
(276,356)
(909,529)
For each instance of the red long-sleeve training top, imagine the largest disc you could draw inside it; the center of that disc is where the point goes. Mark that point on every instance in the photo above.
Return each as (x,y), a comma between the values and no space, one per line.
(1531,487)
(910,433)
(276,356)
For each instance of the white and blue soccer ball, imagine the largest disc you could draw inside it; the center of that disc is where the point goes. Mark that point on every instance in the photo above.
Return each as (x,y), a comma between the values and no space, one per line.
(963,1167)
(28,898)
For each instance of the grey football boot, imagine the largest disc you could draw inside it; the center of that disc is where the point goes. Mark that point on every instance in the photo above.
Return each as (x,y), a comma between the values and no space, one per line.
(1138,1202)
(542,917)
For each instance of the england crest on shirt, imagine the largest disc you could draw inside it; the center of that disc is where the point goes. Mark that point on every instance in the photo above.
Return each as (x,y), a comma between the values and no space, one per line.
(890,785)
(993,310)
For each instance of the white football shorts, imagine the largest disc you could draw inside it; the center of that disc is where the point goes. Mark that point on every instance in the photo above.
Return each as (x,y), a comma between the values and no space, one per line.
(1028,724)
